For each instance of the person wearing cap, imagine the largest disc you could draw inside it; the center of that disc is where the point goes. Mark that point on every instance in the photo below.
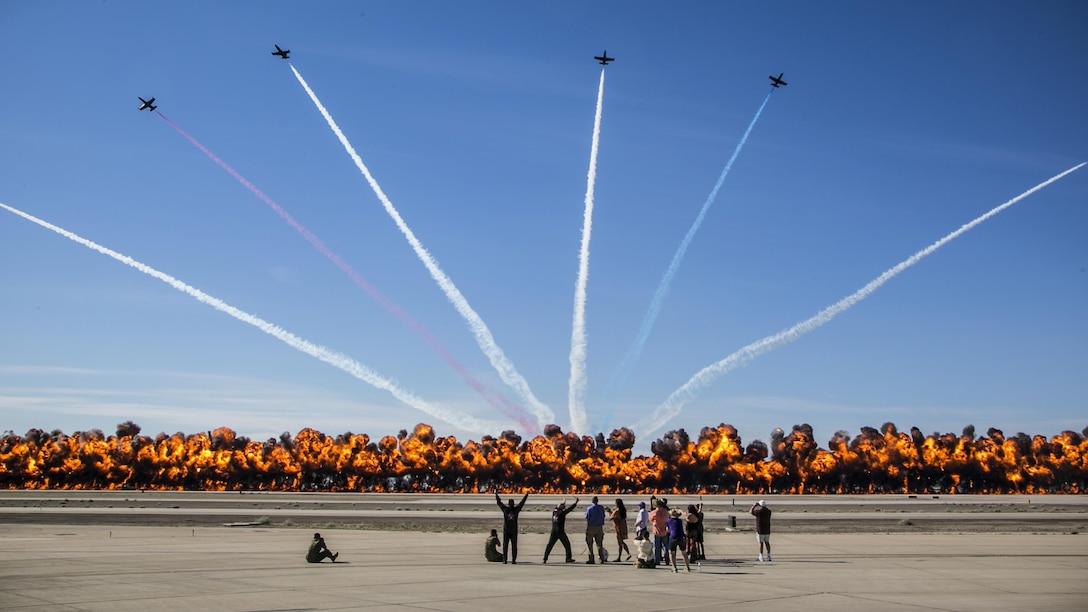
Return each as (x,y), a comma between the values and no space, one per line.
(659,520)
(642,521)
(559,529)
(676,538)
(595,530)
(763,527)
(318,552)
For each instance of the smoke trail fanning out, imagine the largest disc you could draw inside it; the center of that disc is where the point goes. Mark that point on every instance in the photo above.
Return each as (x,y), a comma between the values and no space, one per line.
(675,402)
(623,372)
(490,395)
(345,363)
(484,339)
(577,389)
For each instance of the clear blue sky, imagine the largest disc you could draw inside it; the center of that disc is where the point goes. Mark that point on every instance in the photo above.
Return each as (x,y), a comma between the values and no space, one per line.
(900,123)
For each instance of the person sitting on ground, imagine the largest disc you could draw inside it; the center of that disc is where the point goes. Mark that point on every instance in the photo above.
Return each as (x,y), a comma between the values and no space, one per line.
(491,547)
(319,552)
(644,550)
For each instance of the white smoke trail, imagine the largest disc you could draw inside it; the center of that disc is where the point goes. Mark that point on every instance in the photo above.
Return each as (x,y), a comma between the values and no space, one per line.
(675,402)
(577,389)
(507,372)
(627,365)
(345,363)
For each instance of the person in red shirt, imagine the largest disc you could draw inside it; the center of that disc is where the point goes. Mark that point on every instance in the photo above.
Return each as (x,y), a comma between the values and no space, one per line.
(659,522)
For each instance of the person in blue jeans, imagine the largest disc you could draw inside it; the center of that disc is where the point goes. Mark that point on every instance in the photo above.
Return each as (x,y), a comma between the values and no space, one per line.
(659,524)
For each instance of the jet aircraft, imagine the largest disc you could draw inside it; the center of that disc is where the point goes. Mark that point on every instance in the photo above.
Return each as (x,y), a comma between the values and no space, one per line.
(776,81)
(604,59)
(147,104)
(281,52)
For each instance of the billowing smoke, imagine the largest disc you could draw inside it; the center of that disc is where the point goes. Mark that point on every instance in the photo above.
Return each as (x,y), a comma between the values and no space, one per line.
(417,459)
(622,439)
(675,402)
(480,331)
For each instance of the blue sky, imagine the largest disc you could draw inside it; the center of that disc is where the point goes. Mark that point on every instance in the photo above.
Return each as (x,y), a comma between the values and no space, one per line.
(900,123)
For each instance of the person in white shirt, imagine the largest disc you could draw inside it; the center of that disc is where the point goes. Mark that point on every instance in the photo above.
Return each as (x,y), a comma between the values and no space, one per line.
(642,521)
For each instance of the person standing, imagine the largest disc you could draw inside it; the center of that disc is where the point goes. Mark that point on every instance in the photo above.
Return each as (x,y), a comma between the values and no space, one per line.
(763,527)
(595,530)
(676,539)
(559,529)
(642,521)
(319,552)
(694,525)
(619,521)
(510,527)
(659,521)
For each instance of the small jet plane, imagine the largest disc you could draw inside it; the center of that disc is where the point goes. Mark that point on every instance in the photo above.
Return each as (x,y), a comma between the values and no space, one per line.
(604,59)
(776,81)
(281,52)
(147,104)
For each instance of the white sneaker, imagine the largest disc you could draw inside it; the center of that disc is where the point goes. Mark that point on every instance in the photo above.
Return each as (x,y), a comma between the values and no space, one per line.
(768,557)
(761,557)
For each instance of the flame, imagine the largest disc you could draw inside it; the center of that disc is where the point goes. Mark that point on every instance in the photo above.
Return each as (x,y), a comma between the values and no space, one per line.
(876,461)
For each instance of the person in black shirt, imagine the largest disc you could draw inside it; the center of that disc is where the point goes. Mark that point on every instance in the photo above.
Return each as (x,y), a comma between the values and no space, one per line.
(510,527)
(559,530)
(318,551)
(763,527)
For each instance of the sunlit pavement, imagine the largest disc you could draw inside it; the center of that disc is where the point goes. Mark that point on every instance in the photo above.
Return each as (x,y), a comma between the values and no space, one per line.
(59,567)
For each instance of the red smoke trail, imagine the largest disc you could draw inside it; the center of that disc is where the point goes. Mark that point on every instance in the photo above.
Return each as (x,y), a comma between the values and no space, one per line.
(493,397)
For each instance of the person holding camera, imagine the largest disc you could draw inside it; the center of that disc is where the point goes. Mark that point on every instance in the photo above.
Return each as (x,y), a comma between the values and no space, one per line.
(763,527)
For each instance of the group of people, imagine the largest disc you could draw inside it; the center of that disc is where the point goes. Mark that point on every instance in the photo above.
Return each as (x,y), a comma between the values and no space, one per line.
(675,533)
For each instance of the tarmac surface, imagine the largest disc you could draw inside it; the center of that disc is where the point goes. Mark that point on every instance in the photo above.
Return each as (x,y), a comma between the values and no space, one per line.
(73,565)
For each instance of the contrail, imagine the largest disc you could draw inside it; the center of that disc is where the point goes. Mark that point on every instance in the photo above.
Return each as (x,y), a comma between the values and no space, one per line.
(623,372)
(577,389)
(675,402)
(494,398)
(345,363)
(484,339)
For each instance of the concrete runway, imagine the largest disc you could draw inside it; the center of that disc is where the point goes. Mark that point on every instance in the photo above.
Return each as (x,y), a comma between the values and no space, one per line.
(92,567)
(133,550)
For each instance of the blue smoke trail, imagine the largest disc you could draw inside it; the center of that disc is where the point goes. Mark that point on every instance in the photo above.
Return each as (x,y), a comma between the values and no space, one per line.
(623,372)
